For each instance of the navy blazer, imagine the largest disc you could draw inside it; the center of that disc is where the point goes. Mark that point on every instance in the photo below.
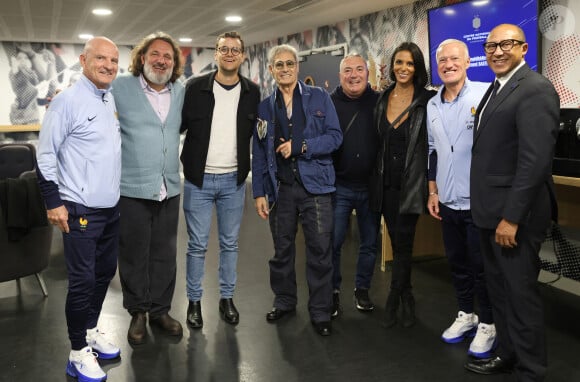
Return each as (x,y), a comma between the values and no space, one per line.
(513,148)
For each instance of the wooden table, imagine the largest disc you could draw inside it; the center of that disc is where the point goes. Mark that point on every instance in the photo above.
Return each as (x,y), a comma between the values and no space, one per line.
(18,128)
(429,239)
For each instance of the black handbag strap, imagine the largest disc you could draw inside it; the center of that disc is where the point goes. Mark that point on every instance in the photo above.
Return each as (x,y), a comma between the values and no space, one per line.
(350,123)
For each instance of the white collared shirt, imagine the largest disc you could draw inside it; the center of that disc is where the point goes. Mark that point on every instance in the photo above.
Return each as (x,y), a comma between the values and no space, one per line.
(503,80)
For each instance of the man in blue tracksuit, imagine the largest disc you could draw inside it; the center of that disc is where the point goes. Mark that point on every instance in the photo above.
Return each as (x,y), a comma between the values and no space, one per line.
(293,179)
(450,118)
(79,169)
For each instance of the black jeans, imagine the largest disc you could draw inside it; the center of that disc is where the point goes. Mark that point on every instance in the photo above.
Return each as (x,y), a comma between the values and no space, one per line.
(401,229)
(295,204)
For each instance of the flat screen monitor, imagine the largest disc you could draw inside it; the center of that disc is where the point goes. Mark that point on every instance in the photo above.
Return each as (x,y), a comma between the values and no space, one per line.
(471,22)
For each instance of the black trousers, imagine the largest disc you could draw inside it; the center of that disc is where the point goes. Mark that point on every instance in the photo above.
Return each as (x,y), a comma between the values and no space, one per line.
(315,212)
(401,229)
(90,251)
(463,251)
(147,254)
(511,276)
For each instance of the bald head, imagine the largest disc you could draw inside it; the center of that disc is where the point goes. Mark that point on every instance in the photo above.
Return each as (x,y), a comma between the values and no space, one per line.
(100,61)
(503,60)
(514,31)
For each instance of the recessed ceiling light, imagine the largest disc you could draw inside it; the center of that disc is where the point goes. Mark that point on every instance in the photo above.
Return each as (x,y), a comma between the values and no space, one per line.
(185,39)
(233,19)
(86,36)
(102,12)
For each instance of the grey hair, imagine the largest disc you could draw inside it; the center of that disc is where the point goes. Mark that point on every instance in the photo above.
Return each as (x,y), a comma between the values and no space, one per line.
(275,51)
(451,41)
(351,55)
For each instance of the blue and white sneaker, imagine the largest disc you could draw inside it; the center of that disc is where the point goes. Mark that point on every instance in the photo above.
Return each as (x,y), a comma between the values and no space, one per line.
(82,364)
(484,342)
(465,325)
(103,347)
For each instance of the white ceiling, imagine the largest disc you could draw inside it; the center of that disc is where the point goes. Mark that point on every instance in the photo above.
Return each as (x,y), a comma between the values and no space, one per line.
(63,20)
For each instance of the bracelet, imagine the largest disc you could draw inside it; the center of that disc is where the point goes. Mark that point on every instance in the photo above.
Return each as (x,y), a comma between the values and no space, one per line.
(433,193)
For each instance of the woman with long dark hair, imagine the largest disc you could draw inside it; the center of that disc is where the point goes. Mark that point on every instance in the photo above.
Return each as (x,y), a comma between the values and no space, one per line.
(399,184)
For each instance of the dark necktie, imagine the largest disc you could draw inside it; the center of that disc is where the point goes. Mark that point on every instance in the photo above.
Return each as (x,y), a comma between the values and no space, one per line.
(494,91)
(491,97)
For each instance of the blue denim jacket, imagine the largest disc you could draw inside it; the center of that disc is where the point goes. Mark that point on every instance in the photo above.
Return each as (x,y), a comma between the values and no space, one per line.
(322,135)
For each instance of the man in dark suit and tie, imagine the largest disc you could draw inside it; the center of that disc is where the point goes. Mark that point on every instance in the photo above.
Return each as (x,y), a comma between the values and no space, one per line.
(512,200)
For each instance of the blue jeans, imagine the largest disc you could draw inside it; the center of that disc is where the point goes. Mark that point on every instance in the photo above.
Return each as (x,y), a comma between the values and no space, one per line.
(347,200)
(228,197)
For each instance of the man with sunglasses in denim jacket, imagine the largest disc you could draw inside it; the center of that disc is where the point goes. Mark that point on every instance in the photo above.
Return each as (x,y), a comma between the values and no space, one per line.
(293,180)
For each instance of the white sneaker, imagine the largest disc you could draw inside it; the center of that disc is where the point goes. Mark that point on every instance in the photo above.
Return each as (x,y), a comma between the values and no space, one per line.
(82,364)
(464,326)
(104,348)
(484,341)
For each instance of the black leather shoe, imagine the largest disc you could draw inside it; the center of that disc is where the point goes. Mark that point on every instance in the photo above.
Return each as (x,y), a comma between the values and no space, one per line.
(228,311)
(276,314)
(324,328)
(137,330)
(489,366)
(168,324)
(194,318)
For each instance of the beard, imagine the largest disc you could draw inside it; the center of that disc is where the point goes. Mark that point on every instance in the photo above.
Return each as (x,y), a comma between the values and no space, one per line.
(156,78)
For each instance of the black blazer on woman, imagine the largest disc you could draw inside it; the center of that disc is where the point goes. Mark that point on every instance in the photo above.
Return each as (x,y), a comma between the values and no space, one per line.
(414,190)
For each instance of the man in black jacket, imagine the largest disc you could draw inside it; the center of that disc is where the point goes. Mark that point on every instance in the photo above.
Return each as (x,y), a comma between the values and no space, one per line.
(219,113)
(355,100)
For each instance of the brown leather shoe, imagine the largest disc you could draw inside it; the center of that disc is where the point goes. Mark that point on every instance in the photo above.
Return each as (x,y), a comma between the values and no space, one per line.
(137,330)
(170,325)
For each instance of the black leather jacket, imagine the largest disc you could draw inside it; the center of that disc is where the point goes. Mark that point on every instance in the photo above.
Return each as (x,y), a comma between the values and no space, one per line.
(414,190)
(196,120)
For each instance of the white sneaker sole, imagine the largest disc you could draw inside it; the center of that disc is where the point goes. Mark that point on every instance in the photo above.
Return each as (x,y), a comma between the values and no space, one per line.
(73,372)
(468,334)
(484,354)
(365,309)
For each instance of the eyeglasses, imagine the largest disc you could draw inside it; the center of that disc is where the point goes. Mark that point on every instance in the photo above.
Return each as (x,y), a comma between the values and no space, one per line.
(226,49)
(505,45)
(279,65)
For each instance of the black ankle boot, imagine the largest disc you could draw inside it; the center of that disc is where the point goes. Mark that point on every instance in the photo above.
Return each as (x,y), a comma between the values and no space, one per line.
(391,309)
(408,315)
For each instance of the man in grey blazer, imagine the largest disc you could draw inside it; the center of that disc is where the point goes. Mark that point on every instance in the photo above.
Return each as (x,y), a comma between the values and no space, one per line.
(512,200)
